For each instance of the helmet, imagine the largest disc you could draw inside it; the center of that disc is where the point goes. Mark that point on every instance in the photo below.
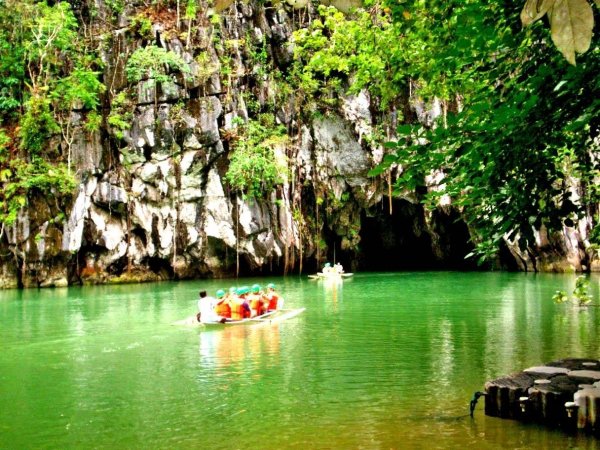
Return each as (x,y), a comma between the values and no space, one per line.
(327,265)
(242,290)
(271,286)
(256,288)
(220,293)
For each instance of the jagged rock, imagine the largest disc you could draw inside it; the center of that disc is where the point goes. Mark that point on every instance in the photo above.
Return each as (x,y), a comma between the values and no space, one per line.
(356,110)
(86,152)
(560,251)
(19,231)
(157,197)
(73,229)
(8,275)
(217,220)
(109,195)
(146,92)
(339,156)
(191,142)
(209,109)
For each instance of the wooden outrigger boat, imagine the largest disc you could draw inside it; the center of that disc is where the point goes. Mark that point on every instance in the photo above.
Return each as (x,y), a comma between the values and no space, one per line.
(270,317)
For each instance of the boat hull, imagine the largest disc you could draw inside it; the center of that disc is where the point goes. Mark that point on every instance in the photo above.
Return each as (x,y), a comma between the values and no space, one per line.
(270,317)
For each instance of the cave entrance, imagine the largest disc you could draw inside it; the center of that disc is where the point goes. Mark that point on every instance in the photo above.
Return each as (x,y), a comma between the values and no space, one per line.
(404,241)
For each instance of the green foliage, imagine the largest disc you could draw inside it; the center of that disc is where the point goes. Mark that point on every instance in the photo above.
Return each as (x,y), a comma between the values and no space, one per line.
(339,53)
(93,122)
(560,297)
(45,71)
(525,132)
(154,63)
(253,169)
(142,25)
(53,32)
(206,66)
(59,74)
(120,115)
(38,125)
(12,69)
(81,86)
(4,151)
(581,297)
(191,9)
(22,180)
(215,20)
(116,6)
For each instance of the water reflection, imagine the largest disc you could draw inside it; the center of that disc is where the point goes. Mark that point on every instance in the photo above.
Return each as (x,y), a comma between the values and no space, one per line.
(228,348)
(333,291)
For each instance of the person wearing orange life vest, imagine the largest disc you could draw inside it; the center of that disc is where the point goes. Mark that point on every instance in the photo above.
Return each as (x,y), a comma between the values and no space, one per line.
(222,308)
(258,301)
(275,301)
(240,309)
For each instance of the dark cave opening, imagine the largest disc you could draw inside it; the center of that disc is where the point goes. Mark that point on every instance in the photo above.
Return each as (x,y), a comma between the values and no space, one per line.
(404,241)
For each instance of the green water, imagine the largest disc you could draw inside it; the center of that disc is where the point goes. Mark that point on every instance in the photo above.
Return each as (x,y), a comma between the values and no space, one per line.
(382,361)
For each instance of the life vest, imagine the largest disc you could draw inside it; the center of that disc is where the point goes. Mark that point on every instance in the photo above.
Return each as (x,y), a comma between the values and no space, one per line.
(239,309)
(273,298)
(256,303)
(223,309)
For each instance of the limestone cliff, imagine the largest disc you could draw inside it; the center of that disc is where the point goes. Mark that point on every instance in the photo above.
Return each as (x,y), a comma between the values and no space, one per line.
(153,201)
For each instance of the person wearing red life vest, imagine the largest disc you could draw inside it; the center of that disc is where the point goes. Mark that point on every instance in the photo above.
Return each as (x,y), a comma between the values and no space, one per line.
(258,301)
(275,301)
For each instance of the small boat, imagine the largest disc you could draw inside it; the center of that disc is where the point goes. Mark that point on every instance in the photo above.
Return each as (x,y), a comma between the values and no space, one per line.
(270,317)
(330,275)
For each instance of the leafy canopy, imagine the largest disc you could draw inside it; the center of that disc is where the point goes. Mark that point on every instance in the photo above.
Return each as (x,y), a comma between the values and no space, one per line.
(524,129)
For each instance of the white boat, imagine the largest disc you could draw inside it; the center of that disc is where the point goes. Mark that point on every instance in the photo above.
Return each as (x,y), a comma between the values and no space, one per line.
(270,317)
(330,275)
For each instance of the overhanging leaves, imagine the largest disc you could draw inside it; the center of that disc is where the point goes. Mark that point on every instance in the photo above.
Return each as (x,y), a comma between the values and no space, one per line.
(534,10)
(571,22)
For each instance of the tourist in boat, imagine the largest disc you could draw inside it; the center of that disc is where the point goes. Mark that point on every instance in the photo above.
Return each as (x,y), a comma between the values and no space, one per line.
(275,301)
(327,268)
(240,309)
(338,268)
(223,306)
(257,301)
(206,308)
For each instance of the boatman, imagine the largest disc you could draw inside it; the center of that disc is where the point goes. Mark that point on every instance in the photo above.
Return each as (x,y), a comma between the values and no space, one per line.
(206,308)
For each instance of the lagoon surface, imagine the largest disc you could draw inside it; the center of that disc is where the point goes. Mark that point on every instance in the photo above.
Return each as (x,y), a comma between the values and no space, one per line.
(384,360)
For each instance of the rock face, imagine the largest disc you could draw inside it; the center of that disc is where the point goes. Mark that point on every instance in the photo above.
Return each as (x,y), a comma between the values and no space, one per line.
(153,201)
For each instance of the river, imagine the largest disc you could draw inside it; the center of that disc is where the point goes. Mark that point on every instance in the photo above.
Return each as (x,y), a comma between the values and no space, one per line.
(384,360)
